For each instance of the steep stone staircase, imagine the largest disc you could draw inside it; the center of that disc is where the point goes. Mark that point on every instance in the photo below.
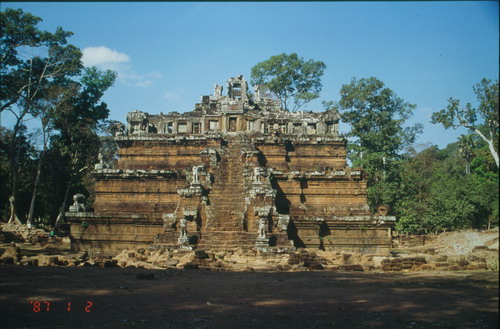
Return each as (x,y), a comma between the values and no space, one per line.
(226,224)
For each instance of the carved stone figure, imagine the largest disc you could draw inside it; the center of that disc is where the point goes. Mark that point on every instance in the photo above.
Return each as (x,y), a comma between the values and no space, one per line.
(218,91)
(118,128)
(78,203)
(183,238)
(256,89)
(195,179)
(183,226)
(101,164)
(262,228)
(257,173)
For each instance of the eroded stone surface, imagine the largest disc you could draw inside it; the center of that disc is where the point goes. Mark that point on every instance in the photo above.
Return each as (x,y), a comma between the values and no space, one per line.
(237,171)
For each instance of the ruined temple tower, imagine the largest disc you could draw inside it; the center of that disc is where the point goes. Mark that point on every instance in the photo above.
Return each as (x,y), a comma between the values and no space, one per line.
(237,171)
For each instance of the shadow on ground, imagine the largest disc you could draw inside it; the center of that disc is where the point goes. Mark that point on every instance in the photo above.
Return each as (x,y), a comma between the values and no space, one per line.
(138,298)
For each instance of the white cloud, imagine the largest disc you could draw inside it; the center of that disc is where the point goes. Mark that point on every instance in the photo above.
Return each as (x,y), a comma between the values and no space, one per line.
(131,78)
(106,58)
(103,56)
(144,83)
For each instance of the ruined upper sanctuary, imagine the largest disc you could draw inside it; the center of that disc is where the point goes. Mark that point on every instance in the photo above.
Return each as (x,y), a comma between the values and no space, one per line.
(237,171)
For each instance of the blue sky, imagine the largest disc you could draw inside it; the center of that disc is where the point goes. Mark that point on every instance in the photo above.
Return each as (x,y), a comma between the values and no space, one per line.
(167,54)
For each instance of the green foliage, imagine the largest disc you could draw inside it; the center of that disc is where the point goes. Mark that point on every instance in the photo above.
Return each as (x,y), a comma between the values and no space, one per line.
(377,118)
(26,158)
(24,78)
(437,194)
(486,113)
(292,79)
(43,77)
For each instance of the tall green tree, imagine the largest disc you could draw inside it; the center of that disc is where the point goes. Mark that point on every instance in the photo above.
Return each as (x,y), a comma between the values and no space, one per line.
(32,61)
(471,118)
(78,122)
(466,148)
(26,159)
(43,78)
(292,79)
(377,117)
(46,109)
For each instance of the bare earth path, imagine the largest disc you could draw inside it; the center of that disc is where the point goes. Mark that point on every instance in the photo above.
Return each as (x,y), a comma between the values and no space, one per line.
(131,298)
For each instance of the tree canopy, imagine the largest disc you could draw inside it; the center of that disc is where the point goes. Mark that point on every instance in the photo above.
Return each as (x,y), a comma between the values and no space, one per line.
(377,117)
(292,79)
(436,193)
(469,117)
(43,78)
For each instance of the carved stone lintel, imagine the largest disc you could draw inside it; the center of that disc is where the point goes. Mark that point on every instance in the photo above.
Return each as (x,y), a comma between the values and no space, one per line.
(192,190)
(190,211)
(263,211)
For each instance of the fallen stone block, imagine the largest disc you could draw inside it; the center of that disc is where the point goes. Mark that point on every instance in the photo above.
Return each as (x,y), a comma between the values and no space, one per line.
(12,252)
(314,265)
(351,267)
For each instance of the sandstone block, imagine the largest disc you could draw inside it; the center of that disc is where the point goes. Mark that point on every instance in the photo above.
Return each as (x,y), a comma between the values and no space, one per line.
(314,265)
(441,258)
(12,252)
(352,267)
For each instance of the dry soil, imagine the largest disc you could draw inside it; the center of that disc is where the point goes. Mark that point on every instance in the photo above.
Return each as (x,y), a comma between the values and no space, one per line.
(140,298)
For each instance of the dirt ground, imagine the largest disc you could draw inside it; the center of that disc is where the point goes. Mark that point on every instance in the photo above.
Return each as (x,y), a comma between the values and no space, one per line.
(141,298)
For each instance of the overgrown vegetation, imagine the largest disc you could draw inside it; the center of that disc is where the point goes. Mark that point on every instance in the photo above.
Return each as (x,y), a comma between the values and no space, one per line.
(436,193)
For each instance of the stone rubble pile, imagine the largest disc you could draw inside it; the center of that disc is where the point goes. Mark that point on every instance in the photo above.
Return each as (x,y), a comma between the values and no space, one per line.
(251,260)
(414,254)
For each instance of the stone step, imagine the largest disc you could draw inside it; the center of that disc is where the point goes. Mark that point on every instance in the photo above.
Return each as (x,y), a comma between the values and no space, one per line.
(226,201)
(227,196)
(234,185)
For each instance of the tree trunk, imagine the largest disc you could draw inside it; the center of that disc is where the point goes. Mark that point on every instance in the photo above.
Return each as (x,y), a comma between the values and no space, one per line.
(14,158)
(60,217)
(13,167)
(493,151)
(467,167)
(13,217)
(491,146)
(29,222)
